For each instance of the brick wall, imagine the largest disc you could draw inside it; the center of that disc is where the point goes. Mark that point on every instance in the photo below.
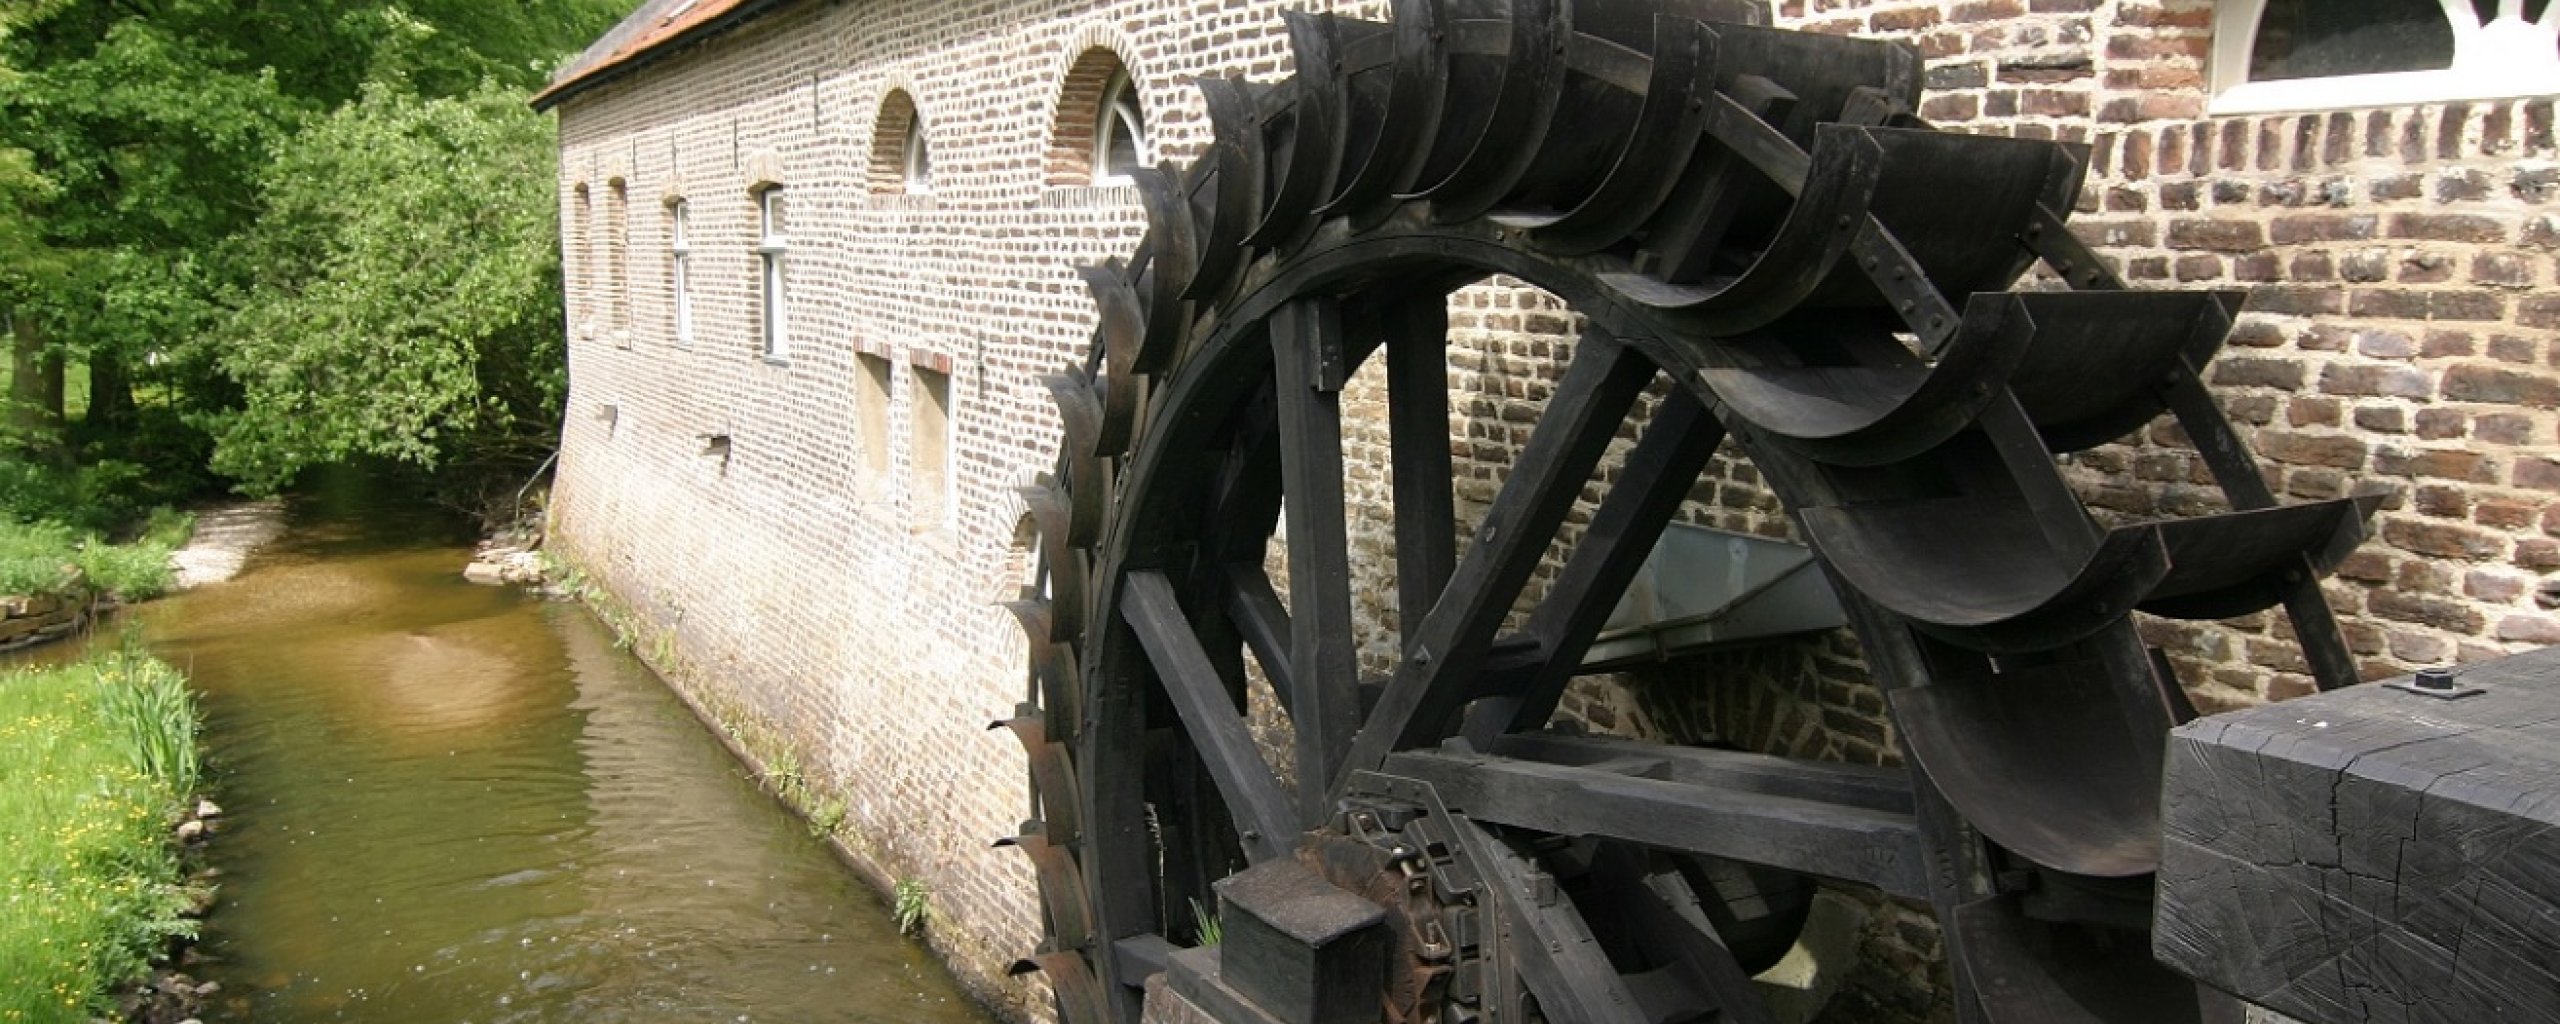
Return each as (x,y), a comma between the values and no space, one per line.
(2398,336)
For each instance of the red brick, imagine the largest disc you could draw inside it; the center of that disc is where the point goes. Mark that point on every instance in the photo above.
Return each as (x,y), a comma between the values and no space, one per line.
(2216,235)
(2442,540)
(2447,227)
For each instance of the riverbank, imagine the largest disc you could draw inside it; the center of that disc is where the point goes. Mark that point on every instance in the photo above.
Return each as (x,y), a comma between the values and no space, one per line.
(98,775)
(224,538)
(53,578)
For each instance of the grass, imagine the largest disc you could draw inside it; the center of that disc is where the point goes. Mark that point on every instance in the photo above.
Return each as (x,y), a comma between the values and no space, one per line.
(912,904)
(93,758)
(49,558)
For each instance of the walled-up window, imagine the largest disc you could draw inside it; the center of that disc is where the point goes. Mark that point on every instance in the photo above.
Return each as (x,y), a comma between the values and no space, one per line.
(773,299)
(576,255)
(680,268)
(1101,132)
(932,447)
(617,202)
(871,413)
(900,162)
(2316,54)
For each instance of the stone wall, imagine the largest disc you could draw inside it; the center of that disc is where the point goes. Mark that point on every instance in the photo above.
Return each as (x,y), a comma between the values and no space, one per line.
(26,621)
(765,516)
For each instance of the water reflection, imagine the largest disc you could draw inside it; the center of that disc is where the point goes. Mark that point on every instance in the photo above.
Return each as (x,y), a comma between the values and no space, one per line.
(455,803)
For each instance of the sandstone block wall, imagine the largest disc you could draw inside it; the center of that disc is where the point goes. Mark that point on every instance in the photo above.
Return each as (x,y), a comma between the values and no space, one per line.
(772,524)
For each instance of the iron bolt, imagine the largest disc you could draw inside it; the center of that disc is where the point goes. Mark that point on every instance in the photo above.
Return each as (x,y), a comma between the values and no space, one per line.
(2434,679)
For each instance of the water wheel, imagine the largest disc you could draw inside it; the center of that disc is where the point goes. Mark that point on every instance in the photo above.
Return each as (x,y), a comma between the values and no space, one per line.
(1768,250)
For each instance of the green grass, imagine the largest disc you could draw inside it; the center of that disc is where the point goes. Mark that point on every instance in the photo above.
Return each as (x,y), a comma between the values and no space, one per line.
(48,558)
(93,757)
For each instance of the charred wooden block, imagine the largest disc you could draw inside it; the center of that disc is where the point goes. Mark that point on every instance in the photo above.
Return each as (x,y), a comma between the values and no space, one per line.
(2373,854)
(1300,949)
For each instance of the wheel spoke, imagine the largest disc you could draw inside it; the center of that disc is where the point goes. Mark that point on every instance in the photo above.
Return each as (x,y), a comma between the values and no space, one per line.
(1442,657)
(1417,354)
(1324,670)
(1551,947)
(1255,607)
(1209,715)
(1656,477)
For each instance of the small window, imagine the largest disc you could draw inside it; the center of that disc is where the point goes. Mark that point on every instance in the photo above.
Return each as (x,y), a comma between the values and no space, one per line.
(2271,55)
(770,249)
(871,414)
(918,164)
(680,268)
(1120,138)
(932,452)
(899,161)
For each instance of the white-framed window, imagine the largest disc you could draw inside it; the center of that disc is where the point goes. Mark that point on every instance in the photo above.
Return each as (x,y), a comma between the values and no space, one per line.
(1119,133)
(774,304)
(2275,55)
(917,164)
(680,268)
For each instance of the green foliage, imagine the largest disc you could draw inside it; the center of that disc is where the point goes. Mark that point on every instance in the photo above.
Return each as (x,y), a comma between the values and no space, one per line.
(166,171)
(911,903)
(92,759)
(50,558)
(1205,926)
(405,303)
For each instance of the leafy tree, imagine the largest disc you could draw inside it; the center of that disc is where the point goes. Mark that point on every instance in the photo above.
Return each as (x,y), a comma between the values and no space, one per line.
(404,299)
(136,143)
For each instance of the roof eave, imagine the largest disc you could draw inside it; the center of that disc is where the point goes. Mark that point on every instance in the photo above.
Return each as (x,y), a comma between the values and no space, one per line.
(562,91)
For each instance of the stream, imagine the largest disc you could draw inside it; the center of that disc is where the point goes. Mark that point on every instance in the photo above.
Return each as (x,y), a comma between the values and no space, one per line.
(453,803)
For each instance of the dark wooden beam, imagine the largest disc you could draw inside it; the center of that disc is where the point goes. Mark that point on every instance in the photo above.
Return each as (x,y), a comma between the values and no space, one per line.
(1549,945)
(1833,840)
(1740,771)
(1655,479)
(2371,853)
(1254,605)
(1324,669)
(1417,353)
(1217,729)
(1441,658)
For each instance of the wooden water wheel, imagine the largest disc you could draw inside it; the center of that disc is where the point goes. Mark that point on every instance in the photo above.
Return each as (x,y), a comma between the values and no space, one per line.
(1753,226)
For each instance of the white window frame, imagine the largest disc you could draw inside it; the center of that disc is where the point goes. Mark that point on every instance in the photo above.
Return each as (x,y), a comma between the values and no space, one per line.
(915,163)
(771,247)
(2507,56)
(1110,114)
(680,269)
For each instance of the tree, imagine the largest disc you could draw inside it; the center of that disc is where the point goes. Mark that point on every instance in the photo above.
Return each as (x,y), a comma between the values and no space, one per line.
(403,300)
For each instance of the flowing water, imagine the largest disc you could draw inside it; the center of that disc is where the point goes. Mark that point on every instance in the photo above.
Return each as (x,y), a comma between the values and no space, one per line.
(450,803)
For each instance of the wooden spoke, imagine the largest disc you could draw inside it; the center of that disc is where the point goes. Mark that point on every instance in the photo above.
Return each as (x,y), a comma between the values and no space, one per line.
(1441,658)
(1417,353)
(1254,604)
(1324,671)
(1656,477)
(1217,729)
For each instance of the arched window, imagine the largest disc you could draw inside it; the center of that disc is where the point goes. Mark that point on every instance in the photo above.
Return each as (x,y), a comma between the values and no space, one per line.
(918,164)
(899,160)
(2271,55)
(1120,136)
(1101,129)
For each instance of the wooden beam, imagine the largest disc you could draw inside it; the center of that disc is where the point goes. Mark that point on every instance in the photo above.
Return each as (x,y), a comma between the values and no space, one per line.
(1833,840)
(1324,668)
(1263,819)
(1550,945)
(1417,353)
(1254,605)
(1655,479)
(1850,785)
(1441,658)
(2371,853)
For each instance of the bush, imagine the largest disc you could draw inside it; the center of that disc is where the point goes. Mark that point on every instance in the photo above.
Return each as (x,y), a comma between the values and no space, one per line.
(93,757)
(49,558)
